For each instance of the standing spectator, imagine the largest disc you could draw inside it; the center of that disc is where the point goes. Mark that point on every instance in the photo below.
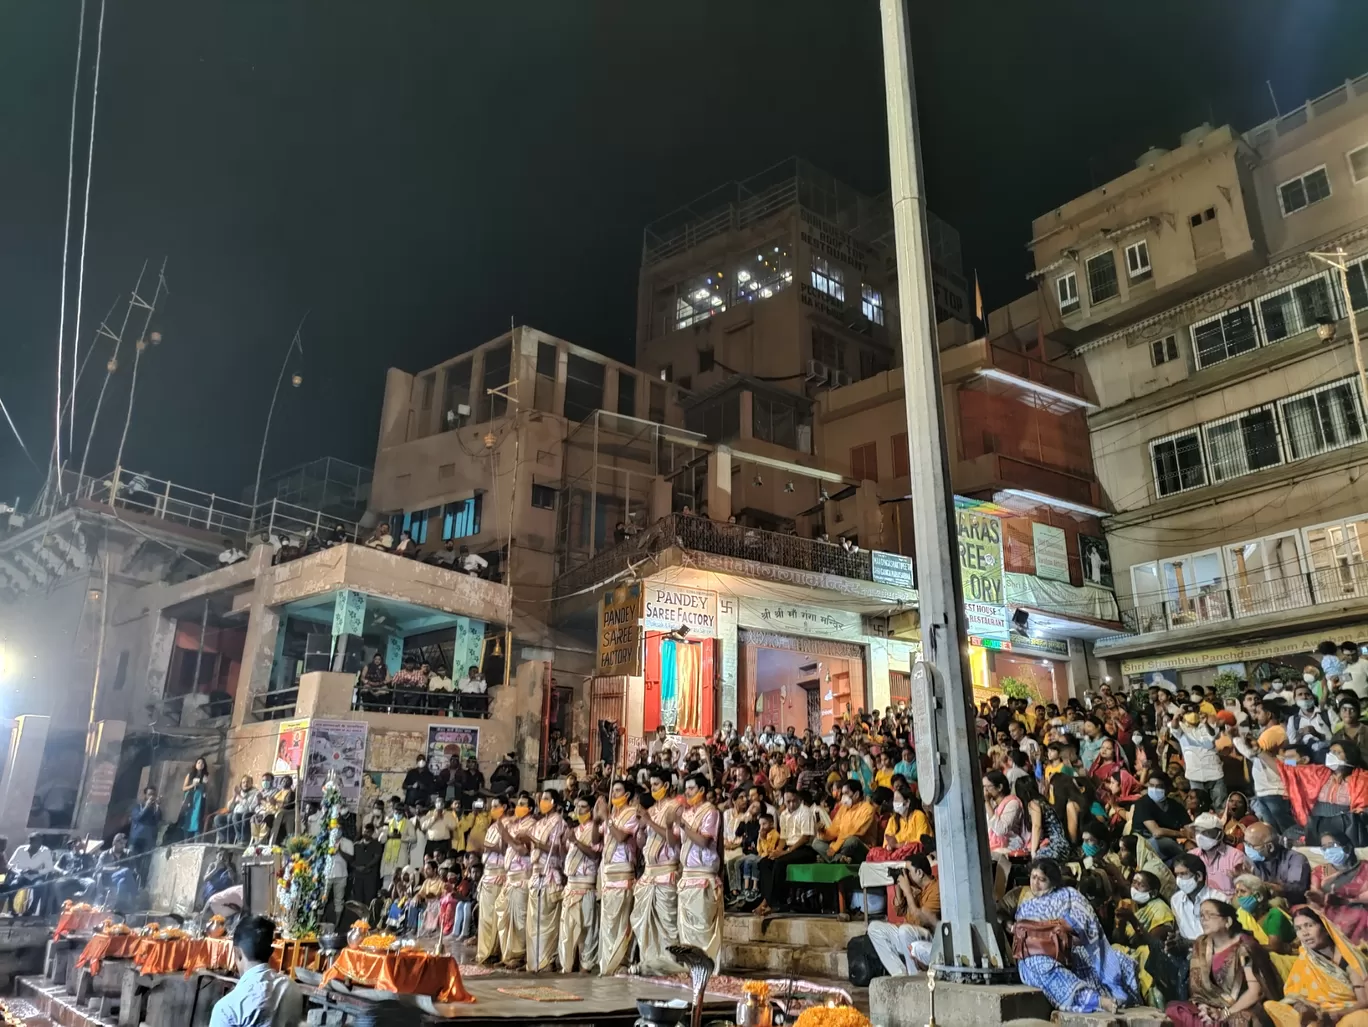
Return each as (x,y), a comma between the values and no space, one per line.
(194,812)
(472,690)
(336,877)
(1201,762)
(420,784)
(1354,672)
(365,866)
(145,822)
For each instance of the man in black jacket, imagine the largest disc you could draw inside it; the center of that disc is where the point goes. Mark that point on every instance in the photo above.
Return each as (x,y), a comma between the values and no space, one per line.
(420,784)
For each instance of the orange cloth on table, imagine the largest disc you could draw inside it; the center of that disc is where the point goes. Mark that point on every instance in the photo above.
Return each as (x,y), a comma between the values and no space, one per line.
(408,972)
(1304,783)
(75,921)
(108,946)
(310,951)
(155,956)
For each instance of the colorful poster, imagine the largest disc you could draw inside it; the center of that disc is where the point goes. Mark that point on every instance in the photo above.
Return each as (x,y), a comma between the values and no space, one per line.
(1051,547)
(669,608)
(290,746)
(619,634)
(446,743)
(335,746)
(980,554)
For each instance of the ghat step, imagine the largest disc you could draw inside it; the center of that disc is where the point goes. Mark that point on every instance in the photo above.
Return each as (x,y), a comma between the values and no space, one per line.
(54,1004)
(816,931)
(779,958)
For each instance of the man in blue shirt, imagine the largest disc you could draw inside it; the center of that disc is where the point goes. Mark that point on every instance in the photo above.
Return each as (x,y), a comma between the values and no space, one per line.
(253,1001)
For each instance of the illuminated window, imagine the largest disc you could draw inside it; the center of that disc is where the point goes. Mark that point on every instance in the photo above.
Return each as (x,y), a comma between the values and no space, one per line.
(871,304)
(699,298)
(461,520)
(826,278)
(763,272)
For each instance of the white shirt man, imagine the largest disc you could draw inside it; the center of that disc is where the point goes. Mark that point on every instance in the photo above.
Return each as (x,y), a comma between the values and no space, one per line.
(1354,674)
(337,875)
(1200,759)
(659,748)
(439,682)
(472,684)
(473,563)
(437,823)
(31,858)
(793,827)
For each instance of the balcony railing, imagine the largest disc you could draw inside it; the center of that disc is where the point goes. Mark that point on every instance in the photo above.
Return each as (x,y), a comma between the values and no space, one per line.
(1217,603)
(1058,378)
(720,539)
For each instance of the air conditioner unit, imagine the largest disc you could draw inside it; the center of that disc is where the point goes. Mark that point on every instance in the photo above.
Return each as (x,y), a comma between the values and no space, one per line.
(817,371)
(839,378)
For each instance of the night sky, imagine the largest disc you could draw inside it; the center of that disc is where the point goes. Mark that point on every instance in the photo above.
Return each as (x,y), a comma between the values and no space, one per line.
(416,173)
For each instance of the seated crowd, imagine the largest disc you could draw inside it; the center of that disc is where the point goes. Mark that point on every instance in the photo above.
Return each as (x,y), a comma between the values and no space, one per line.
(417,688)
(1206,850)
(449,556)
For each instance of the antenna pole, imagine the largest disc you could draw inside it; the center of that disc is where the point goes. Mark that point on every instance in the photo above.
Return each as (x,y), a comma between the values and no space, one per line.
(110,368)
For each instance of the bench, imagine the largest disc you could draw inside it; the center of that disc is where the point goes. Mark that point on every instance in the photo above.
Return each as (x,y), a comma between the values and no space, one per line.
(831,874)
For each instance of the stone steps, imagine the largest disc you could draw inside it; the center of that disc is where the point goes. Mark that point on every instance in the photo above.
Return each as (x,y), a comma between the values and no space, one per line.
(820,931)
(54,1004)
(778,958)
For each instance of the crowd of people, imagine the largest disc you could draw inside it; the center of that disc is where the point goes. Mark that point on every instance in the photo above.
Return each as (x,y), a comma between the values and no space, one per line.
(1203,846)
(417,688)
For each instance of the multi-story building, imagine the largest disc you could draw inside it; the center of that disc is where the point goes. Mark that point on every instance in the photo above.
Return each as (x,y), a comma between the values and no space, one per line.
(1230,414)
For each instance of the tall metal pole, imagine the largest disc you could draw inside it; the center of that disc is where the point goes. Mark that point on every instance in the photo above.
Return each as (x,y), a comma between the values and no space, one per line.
(968,936)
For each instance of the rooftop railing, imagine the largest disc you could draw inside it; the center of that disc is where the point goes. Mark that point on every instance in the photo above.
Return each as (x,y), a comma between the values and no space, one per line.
(721,539)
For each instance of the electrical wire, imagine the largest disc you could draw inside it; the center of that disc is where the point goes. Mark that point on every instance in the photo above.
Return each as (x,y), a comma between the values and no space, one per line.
(85,217)
(66,249)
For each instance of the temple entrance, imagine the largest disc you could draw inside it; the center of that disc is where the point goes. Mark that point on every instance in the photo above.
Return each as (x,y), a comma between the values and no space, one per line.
(802,683)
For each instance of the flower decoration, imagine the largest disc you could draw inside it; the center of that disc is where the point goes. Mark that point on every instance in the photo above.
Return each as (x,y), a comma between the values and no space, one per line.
(378,942)
(760,989)
(301,888)
(832,1016)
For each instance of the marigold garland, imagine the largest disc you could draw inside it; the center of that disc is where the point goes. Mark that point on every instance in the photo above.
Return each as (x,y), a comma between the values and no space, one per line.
(832,1016)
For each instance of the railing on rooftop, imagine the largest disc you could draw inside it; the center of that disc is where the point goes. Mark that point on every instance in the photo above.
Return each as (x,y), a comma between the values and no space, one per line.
(207,511)
(1270,130)
(1058,378)
(720,539)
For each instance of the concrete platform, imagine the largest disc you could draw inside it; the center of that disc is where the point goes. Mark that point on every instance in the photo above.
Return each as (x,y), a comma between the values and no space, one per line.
(53,1003)
(806,946)
(604,1000)
(905,1002)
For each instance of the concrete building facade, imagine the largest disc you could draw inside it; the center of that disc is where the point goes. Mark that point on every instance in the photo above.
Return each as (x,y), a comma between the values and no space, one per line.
(1230,422)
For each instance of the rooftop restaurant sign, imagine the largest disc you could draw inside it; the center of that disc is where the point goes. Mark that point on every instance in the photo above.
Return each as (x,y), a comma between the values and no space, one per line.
(669,608)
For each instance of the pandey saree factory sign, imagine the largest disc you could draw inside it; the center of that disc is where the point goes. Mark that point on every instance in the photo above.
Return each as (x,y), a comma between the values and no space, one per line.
(669,607)
(980,556)
(619,634)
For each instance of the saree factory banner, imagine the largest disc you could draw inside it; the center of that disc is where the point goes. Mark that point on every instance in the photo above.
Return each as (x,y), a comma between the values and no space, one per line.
(290,746)
(335,746)
(619,632)
(669,607)
(980,555)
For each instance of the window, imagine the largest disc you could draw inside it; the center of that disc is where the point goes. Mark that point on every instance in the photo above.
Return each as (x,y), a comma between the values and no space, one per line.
(1101,268)
(827,349)
(871,304)
(461,520)
(1225,335)
(456,395)
(1201,217)
(1066,287)
(626,403)
(1296,308)
(1243,443)
(901,455)
(1177,461)
(416,524)
(1358,283)
(543,497)
(691,301)
(827,278)
(707,357)
(667,372)
(1164,350)
(1304,190)
(776,419)
(498,361)
(1358,163)
(583,387)
(769,272)
(1322,419)
(656,398)
(872,362)
(1138,262)
(864,462)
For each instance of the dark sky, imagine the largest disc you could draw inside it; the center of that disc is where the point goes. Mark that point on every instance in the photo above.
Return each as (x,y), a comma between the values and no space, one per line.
(416,172)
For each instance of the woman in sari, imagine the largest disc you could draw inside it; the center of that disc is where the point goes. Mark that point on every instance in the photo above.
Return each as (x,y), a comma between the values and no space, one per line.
(1236,818)
(1116,785)
(1229,977)
(193,811)
(1329,980)
(862,771)
(1008,828)
(1143,925)
(1339,887)
(1136,853)
(1097,977)
(1252,896)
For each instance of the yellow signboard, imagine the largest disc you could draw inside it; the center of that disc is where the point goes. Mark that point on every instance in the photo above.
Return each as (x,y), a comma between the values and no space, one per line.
(619,635)
(1250,653)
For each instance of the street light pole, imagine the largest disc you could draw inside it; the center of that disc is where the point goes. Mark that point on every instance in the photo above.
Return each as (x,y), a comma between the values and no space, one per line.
(969,936)
(295,381)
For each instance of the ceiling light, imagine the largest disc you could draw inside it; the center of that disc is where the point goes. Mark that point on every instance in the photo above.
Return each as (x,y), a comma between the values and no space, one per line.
(743,276)
(766,293)
(717,301)
(701,294)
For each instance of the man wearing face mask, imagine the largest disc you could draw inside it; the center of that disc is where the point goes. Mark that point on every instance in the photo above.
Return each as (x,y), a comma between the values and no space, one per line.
(1286,871)
(852,829)
(1269,802)
(1223,862)
(1159,818)
(1196,736)
(1309,725)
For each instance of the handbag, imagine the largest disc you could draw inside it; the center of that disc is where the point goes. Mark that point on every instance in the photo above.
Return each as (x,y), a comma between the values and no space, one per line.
(1052,938)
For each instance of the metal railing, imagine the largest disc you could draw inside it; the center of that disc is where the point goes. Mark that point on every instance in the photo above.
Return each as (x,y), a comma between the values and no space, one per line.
(1058,378)
(1214,604)
(207,511)
(720,539)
